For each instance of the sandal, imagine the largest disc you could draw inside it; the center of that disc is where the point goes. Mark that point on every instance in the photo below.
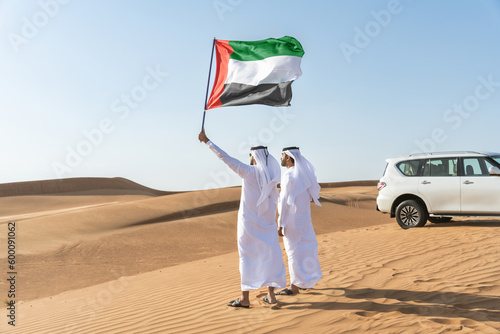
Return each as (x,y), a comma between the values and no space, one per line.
(285,292)
(237,303)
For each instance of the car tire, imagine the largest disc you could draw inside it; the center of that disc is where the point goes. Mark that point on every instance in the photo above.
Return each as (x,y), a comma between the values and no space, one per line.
(411,213)
(439,220)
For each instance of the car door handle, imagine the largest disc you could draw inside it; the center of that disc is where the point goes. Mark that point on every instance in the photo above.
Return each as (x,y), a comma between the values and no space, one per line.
(468,182)
(425,182)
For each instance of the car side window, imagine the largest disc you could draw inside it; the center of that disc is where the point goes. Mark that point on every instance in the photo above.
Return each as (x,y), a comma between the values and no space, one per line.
(409,168)
(441,167)
(476,167)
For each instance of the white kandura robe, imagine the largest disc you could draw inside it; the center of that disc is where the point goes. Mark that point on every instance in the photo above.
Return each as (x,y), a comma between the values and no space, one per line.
(261,259)
(299,237)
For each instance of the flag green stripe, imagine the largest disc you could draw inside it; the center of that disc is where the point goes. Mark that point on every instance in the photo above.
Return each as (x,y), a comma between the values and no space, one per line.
(271,47)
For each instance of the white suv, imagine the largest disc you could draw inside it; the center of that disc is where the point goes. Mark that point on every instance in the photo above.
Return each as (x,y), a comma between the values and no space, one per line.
(439,186)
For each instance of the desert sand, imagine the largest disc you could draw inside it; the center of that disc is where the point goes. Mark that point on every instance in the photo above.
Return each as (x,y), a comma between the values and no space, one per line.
(111,256)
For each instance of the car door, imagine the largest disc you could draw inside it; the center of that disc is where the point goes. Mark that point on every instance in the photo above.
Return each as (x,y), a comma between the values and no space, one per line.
(480,192)
(440,185)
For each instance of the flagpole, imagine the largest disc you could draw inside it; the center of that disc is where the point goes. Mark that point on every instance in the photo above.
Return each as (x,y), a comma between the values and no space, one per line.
(208,83)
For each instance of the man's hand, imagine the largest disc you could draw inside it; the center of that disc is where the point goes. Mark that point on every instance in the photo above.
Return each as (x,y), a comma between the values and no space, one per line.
(280,232)
(203,137)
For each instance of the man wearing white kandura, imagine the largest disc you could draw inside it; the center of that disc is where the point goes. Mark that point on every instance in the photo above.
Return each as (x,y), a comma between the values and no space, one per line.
(261,259)
(298,187)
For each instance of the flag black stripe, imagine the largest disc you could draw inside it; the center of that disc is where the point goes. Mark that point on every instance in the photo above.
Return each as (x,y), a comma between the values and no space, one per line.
(276,95)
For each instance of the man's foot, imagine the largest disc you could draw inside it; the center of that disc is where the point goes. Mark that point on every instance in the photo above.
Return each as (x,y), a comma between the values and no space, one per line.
(285,292)
(266,299)
(237,303)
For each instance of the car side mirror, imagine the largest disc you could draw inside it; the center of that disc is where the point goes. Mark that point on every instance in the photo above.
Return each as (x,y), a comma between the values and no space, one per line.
(494,171)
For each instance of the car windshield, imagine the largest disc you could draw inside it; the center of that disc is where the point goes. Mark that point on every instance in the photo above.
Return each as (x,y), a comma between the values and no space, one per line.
(496,158)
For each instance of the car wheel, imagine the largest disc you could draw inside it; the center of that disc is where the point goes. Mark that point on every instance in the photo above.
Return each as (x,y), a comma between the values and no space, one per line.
(411,213)
(438,220)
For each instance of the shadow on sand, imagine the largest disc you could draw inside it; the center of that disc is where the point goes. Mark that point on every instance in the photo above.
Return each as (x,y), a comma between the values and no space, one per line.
(472,222)
(422,303)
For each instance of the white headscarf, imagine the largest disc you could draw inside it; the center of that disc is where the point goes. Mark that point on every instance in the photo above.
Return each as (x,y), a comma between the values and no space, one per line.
(268,174)
(303,178)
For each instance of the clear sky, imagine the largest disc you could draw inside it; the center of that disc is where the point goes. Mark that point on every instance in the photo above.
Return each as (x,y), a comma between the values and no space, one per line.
(116,88)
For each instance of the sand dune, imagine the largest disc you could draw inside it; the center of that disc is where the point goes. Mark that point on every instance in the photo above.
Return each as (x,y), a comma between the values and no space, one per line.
(124,262)
(59,186)
(36,198)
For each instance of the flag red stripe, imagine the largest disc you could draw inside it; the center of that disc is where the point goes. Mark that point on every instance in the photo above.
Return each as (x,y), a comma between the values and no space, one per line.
(223,51)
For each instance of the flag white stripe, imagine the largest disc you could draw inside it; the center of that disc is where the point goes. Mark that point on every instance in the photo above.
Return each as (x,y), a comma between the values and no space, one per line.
(269,70)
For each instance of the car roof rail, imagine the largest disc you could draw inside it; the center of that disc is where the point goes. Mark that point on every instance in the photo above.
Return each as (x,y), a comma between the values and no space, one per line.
(446,152)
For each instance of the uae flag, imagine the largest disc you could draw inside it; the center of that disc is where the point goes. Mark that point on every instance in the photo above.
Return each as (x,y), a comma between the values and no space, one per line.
(256,72)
